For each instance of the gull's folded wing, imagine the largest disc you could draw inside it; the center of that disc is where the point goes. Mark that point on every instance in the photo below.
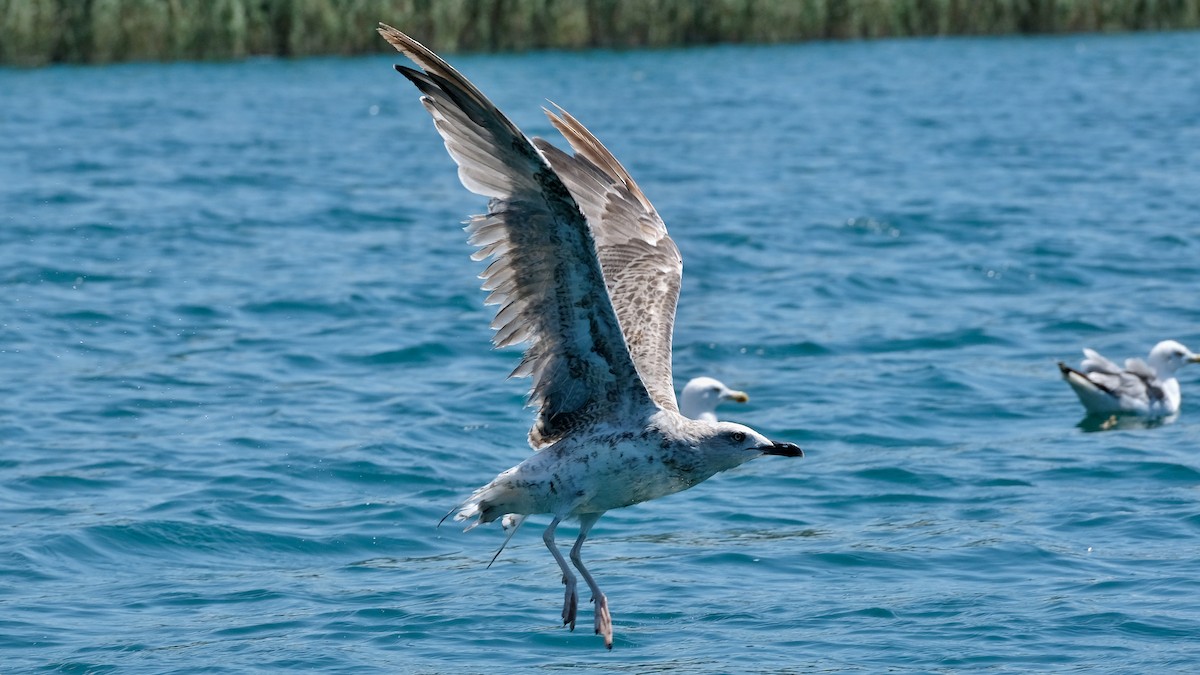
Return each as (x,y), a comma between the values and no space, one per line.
(544,274)
(1142,380)
(640,262)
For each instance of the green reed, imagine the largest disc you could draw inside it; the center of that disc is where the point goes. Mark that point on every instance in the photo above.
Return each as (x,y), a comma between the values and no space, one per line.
(36,32)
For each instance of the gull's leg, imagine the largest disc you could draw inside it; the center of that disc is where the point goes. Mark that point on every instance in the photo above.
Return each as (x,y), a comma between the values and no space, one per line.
(571,602)
(603,618)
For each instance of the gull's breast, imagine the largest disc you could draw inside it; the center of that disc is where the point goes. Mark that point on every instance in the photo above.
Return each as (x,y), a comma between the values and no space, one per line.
(600,473)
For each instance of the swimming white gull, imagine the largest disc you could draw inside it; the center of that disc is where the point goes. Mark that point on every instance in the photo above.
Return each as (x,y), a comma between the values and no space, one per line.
(701,396)
(1146,388)
(586,276)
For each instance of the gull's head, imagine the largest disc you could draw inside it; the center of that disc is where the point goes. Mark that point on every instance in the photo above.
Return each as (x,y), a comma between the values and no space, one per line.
(701,396)
(728,445)
(1169,356)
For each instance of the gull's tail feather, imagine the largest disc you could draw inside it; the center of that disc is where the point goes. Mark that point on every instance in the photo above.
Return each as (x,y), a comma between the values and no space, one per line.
(496,499)
(1095,397)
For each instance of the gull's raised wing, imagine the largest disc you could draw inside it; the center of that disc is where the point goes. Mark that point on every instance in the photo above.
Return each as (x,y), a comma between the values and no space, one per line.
(544,272)
(640,262)
(1093,362)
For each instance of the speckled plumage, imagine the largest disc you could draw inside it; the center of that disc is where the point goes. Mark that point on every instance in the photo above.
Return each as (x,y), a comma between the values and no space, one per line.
(587,278)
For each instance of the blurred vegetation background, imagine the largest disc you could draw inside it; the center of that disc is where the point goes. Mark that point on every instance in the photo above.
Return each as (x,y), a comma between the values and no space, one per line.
(35,32)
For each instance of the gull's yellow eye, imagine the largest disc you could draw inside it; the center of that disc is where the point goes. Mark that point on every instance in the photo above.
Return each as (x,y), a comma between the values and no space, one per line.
(738,437)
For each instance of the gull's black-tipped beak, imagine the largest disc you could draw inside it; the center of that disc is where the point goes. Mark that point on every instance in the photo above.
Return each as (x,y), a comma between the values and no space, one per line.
(782,450)
(737,396)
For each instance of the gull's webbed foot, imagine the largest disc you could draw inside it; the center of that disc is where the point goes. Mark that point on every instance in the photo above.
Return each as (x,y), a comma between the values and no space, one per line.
(570,602)
(603,619)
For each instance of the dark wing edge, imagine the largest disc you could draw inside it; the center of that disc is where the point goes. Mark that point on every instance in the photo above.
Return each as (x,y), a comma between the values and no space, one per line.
(544,273)
(640,262)
(1068,372)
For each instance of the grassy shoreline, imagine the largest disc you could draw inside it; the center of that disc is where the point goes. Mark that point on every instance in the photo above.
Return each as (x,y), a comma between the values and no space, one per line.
(38,32)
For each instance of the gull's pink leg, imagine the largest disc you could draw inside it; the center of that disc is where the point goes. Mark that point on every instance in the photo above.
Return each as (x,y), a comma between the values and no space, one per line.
(603,618)
(571,601)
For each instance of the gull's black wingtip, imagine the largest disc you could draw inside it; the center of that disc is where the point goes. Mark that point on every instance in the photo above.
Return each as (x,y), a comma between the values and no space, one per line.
(417,77)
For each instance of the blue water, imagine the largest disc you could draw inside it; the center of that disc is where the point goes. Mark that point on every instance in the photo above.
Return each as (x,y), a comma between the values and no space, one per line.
(244,365)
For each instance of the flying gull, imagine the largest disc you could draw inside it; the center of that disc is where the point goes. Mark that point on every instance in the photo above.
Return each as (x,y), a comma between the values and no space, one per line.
(701,396)
(587,278)
(1146,388)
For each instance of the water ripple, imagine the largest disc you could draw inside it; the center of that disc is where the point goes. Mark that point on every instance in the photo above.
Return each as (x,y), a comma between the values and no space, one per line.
(246,365)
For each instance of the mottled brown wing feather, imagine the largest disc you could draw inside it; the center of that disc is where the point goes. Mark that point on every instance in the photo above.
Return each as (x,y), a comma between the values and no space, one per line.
(544,274)
(641,264)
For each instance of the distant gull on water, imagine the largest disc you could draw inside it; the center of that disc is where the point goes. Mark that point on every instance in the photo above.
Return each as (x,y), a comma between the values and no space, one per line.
(1146,388)
(586,276)
(701,396)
